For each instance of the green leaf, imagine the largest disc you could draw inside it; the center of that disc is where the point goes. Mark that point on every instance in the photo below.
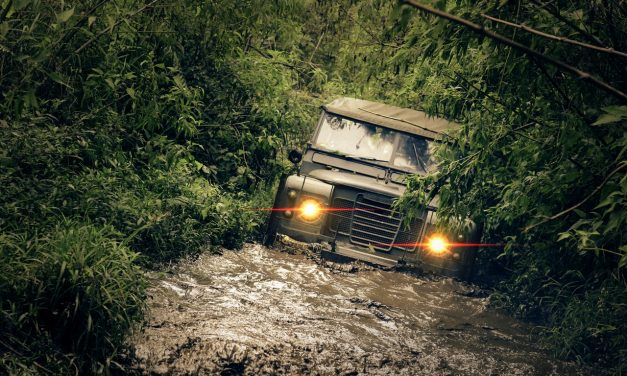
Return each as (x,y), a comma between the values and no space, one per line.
(91,20)
(616,110)
(607,119)
(4,29)
(204,212)
(20,4)
(131,92)
(65,15)
(56,77)
(563,235)
(611,198)
(110,83)
(111,23)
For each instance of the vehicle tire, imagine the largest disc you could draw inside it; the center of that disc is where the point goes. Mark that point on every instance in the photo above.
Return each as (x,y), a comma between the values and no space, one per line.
(468,263)
(470,254)
(270,236)
(273,222)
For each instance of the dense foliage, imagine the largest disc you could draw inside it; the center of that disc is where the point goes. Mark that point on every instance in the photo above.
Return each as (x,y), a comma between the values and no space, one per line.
(133,133)
(539,159)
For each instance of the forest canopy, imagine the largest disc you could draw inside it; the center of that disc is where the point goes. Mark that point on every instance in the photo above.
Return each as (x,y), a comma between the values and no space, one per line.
(134,133)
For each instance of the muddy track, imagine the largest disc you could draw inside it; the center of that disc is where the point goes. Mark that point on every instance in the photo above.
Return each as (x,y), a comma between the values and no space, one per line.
(261,311)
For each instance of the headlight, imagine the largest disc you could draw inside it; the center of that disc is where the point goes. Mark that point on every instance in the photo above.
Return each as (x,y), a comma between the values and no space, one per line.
(437,244)
(310,210)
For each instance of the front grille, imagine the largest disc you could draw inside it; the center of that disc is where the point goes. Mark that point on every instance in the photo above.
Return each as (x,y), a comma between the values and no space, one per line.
(374,223)
(341,220)
(409,235)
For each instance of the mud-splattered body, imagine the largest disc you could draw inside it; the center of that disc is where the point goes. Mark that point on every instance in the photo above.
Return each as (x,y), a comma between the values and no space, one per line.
(260,311)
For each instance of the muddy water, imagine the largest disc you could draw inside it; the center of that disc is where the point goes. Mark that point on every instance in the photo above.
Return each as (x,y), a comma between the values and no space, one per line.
(261,311)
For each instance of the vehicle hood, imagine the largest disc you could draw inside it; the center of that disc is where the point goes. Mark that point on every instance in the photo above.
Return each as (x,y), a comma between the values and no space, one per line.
(350,179)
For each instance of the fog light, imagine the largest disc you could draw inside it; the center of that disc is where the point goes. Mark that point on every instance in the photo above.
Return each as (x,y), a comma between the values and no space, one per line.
(310,210)
(437,244)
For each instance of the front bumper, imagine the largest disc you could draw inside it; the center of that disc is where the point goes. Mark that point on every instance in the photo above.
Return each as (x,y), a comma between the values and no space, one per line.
(458,263)
(366,227)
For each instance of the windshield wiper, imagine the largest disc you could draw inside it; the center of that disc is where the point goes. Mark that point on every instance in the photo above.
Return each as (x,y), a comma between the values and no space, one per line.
(360,140)
(366,158)
(420,161)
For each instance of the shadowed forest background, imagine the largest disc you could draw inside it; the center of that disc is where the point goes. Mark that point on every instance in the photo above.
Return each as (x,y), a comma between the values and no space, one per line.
(135,133)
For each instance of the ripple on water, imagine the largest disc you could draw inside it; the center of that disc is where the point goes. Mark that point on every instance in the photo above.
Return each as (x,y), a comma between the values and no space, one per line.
(267,309)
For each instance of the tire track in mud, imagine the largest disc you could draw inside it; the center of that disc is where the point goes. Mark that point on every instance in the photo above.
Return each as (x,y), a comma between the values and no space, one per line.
(261,311)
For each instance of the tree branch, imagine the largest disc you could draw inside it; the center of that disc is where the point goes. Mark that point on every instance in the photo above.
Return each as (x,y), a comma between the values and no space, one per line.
(588,197)
(316,48)
(528,29)
(269,57)
(556,13)
(517,111)
(481,30)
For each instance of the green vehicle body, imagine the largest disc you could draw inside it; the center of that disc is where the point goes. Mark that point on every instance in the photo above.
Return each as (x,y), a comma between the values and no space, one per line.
(354,167)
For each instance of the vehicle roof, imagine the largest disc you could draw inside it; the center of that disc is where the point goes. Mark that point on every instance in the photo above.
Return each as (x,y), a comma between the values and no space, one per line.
(401,119)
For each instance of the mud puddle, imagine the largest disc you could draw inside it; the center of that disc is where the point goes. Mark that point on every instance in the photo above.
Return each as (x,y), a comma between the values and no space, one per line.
(261,311)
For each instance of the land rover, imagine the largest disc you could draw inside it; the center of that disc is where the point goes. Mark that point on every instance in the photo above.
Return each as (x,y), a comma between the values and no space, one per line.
(342,194)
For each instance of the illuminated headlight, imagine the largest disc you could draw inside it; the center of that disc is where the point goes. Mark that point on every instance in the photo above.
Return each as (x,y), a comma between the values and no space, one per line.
(310,210)
(437,244)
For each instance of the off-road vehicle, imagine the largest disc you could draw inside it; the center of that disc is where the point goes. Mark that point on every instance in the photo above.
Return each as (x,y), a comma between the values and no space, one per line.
(341,196)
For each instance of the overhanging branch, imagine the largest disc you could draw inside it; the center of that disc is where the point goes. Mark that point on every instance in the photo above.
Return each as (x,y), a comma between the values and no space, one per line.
(621,165)
(528,29)
(554,11)
(480,29)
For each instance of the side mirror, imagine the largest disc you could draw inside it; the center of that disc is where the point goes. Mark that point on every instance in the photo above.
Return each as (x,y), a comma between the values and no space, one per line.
(295,156)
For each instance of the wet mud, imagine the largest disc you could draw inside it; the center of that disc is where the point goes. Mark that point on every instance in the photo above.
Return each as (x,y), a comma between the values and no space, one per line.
(261,311)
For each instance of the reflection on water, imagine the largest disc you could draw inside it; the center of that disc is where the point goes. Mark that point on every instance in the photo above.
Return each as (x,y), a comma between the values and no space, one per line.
(262,311)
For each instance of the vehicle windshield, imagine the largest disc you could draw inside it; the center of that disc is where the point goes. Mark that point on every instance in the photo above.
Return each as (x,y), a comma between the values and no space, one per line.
(374,143)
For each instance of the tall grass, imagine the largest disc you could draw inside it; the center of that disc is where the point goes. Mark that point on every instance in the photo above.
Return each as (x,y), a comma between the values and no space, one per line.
(74,291)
